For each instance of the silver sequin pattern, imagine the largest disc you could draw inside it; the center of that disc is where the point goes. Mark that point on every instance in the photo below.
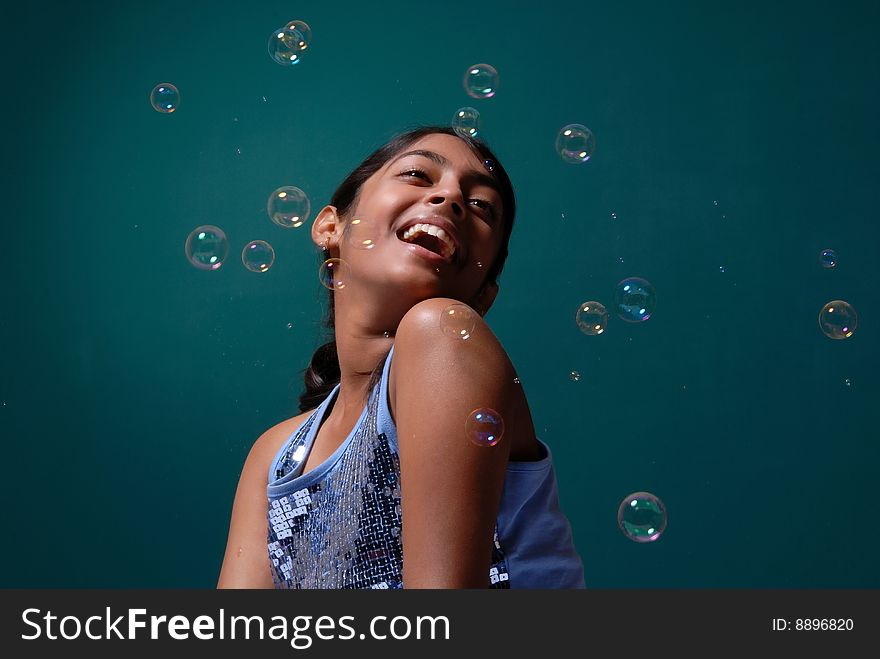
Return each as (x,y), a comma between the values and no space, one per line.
(344,531)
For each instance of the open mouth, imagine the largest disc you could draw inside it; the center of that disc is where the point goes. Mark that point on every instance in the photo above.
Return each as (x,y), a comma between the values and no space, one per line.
(429,242)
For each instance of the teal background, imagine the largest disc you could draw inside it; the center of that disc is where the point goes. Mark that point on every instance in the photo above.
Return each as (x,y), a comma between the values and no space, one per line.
(133,384)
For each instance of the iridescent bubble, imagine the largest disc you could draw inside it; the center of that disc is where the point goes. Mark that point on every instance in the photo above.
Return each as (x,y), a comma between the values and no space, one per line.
(467,122)
(334,274)
(634,299)
(838,320)
(642,517)
(206,247)
(591,318)
(458,321)
(165,98)
(288,207)
(575,376)
(305,34)
(481,81)
(285,46)
(484,427)
(363,234)
(575,143)
(828,258)
(258,256)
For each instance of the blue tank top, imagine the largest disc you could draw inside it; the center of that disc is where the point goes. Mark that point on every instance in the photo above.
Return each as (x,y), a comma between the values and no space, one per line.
(339,525)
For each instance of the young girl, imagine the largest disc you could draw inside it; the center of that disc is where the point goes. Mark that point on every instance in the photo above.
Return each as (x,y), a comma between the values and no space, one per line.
(415,462)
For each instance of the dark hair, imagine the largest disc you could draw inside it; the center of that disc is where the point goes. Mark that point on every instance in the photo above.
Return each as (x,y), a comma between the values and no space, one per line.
(323,372)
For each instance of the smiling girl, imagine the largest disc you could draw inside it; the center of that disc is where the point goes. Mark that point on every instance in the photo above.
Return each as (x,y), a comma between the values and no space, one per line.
(379,483)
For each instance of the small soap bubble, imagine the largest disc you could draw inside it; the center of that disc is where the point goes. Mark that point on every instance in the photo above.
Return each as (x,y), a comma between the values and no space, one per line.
(285,46)
(828,258)
(289,325)
(165,98)
(481,81)
(458,321)
(838,320)
(575,143)
(516,381)
(720,268)
(642,517)
(258,256)
(334,274)
(466,122)
(206,247)
(575,376)
(484,427)
(363,234)
(489,165)
(848,382)
(613,216)
(591,318)
(714,203)
(288,207)
(634,299)
(305,33)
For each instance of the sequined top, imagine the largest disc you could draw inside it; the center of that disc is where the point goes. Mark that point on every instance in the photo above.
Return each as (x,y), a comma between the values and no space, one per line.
(339,525)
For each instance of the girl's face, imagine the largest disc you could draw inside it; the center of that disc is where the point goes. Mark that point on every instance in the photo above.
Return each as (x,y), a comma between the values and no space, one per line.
(438,181)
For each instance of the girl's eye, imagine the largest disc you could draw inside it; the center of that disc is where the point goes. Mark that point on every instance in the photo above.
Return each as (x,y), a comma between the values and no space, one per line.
(418,173)
(485,205)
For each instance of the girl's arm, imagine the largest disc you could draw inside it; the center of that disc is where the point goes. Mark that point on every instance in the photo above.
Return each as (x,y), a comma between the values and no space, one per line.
(246,562)
(450,486)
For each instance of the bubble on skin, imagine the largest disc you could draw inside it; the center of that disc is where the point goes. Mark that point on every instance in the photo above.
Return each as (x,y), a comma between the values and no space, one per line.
(334,274)
(575,143)
(285,46)
(207,247)
(458,321)
(484,427)
(467,122)
(642,517)
(288,207)
(258,256)
(363,234)
(575,376)
(634,299)
(838,320)
(828,258)
(481,81)
(592,318)
(165,98)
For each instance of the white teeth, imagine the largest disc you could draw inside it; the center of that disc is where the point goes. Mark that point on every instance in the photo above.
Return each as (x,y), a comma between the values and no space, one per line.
(448,247)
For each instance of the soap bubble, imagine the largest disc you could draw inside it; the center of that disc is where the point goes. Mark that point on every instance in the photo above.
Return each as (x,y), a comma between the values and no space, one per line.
(206,247)
(642,517)
(575,376)
(481,81)
(363,234)
(304,34)
(634,299)
(828,258)
(286,45)
(575,143)
(591,318)
(484,427)
(838,320)
(458,321)
(467,122)
(288,206)
(258,256)
(165,98)
(334,274)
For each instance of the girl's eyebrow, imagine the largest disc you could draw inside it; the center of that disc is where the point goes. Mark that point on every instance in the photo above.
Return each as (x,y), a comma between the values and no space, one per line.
(437,158)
